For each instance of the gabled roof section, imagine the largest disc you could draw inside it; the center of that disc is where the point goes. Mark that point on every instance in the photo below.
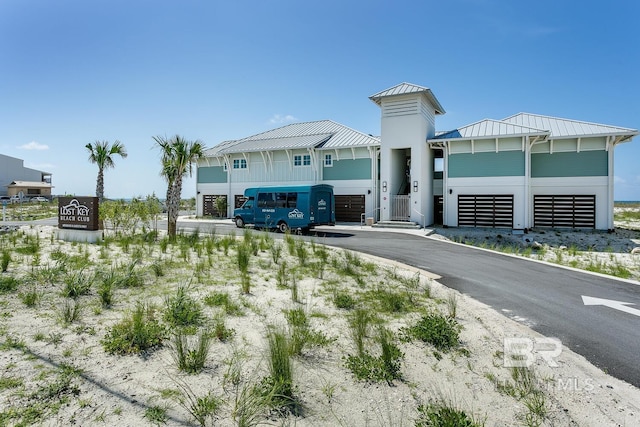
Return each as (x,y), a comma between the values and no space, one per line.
(489,128)
(405,89)
(324,134)
(565,128)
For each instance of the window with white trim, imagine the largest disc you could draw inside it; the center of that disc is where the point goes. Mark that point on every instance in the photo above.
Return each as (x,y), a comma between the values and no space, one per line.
(302,160)
(328,160)
(239,163)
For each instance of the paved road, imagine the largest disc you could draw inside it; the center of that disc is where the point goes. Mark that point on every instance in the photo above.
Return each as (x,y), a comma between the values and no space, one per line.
(544,297)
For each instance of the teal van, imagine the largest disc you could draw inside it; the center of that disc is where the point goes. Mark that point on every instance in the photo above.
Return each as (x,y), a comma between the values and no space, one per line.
(287,208)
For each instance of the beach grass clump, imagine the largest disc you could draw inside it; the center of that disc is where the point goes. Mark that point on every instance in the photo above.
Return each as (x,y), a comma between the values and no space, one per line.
(301,335)
(190,357)
(181,310)
(76,284)
(279,385)
(223,300)
(442,414)
(5,259)
(344,300)
(436,329)
(385,367)
(359,323)
(69,311)
(8,284)
(136,333)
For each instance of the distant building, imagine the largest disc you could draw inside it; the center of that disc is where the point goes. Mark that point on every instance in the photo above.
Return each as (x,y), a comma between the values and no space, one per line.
(14,178)
(524,171)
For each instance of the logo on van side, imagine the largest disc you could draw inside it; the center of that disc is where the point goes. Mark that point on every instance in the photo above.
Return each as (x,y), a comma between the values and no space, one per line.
(296,214)
(322,202)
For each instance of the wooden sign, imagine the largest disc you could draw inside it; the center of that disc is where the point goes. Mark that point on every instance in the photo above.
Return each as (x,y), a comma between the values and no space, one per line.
(78,213)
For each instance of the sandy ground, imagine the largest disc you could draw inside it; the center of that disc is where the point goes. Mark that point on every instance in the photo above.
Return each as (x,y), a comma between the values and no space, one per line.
(118,390)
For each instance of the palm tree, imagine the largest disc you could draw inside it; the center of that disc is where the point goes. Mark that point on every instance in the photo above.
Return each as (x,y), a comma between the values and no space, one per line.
(177,157)
(101,153)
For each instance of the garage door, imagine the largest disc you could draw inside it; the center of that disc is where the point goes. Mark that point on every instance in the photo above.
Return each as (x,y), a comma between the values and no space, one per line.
(209,207)
(485,210)
(564,211)
(349,208)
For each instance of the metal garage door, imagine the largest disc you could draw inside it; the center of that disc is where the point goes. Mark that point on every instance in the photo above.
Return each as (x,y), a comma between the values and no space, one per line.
(564,211)
(485,210)
(349,208)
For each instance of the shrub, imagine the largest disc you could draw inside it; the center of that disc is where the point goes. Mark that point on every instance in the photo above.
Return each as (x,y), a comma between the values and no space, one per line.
(5,259)
(344,300)
(139,332)
(8,284)
(443,415)
(440,331)
(182,310)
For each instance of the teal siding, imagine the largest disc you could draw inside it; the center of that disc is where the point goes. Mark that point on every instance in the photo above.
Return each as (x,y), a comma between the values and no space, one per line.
(585,163)
(348,169)
(503,163)
(211,175)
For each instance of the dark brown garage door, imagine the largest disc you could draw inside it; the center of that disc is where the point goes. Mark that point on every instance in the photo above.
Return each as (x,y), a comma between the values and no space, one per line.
(209,207)
(349,208)
(485,210)
(564,211)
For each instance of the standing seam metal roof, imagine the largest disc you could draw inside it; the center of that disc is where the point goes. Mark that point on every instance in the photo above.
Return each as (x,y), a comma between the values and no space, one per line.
(489,128)
(408,88)
(324,134)
(566,128)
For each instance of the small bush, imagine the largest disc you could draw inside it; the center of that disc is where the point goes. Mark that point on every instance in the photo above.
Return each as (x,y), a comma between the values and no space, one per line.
(440,331)
(5,259)
(139,332)
(8,284)
(182,310)
(443,415)
(344,300)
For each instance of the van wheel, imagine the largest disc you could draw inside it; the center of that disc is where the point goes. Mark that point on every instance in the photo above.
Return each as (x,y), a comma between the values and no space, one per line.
(239,222)
(283,227)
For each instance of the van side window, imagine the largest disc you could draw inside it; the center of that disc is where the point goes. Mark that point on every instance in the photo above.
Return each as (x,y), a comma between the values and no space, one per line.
(281,200)
(265,200)
(292,200)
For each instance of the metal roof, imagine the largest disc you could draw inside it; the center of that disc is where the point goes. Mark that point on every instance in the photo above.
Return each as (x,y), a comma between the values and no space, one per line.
(489,128)
(408,88)
(565,128)
(324,134)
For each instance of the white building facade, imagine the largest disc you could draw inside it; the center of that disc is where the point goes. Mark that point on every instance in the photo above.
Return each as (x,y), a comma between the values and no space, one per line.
(520,172)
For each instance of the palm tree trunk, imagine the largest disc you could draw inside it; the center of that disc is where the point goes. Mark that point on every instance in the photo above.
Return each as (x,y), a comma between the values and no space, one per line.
(100,184)
(173,206)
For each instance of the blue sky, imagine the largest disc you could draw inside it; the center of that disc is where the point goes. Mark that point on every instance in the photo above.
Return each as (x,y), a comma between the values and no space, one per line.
(76,71)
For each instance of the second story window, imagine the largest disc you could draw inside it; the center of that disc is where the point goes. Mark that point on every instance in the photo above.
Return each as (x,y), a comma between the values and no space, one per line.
(328,160)
(302,160)
(239,164)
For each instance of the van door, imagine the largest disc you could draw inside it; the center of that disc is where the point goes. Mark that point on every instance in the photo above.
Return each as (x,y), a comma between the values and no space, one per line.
(265,210)
(322,205)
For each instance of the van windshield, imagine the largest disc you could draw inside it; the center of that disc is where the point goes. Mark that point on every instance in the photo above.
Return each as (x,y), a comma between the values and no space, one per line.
(248,204)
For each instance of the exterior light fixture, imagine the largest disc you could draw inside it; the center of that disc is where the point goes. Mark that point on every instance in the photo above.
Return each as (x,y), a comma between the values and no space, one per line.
(384,186)
(415,186)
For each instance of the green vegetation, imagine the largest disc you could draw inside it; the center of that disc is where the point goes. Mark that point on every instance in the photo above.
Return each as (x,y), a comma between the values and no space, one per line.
(138,332)
(438,330)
